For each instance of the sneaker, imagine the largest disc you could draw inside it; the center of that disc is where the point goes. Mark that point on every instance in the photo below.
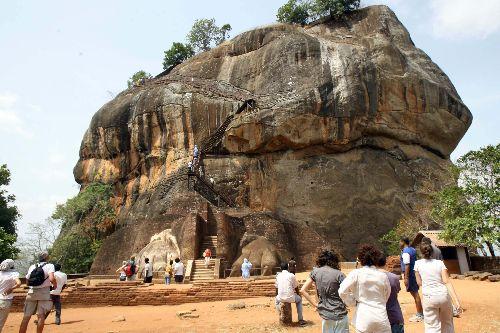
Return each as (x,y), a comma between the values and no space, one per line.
(417,318)
(302,322)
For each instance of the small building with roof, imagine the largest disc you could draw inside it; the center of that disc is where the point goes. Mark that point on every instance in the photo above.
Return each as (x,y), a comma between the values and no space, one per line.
(455,256)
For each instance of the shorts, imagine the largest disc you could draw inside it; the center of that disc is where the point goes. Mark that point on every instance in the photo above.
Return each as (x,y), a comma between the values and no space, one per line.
(178,278)
(412,284)
(40,308)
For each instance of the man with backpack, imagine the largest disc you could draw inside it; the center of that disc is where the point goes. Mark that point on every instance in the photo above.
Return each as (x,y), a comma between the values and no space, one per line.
(38,301)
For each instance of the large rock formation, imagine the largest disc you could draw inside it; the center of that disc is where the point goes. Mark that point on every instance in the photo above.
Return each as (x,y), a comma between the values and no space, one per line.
(351,128)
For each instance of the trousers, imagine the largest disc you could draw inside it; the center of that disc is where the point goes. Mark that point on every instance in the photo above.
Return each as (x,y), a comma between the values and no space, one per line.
(438,314)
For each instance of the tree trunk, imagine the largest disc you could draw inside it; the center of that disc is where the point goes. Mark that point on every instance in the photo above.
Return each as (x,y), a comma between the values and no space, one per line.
(491,249)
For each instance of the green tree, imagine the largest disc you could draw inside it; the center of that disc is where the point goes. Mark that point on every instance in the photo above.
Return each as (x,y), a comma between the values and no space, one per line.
(8,212)
(75,251)
(334,8)
(91,210)
(294,11)
(205,34)
(470,209)
(177,53)
(7,248)
(138,77)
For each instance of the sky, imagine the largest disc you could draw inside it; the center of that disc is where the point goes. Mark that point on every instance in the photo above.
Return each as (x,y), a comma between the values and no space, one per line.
(60,61)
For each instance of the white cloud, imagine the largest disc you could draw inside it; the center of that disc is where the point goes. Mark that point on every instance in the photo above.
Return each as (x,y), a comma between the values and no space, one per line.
(10,122)
(457,19)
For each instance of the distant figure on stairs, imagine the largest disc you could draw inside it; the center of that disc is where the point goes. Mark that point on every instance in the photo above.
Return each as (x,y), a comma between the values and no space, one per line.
(169,272)
(190,167)
(178,271)
(245,269)
(207,255)
(292,265)
(196,152)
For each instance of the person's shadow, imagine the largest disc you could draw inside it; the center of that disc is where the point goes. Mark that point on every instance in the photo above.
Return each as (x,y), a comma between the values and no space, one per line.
(66,322)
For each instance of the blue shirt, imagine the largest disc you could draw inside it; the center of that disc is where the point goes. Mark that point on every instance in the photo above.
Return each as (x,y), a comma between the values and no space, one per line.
(413,258)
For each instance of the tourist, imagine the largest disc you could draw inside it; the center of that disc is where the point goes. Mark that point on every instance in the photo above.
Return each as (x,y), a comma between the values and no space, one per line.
(169,272)
(148,271)
(121,270)
(433,276)
(327,277)
(436,252)
(393,308)
(408,258)
(287,291)
(292,265)
(370,289)
(39,278)
(55,293)
(131,269)
(245,269)
(195,152)
(207,255)
(9,280)
(178,271)
(190,166)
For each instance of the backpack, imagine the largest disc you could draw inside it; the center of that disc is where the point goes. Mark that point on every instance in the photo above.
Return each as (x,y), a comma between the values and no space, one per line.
(129,269)
(37,276)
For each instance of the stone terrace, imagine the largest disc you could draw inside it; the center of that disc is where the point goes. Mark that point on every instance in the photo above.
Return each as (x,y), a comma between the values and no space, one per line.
(114,293)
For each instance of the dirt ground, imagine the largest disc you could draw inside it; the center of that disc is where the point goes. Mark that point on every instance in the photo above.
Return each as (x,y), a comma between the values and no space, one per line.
(480,299)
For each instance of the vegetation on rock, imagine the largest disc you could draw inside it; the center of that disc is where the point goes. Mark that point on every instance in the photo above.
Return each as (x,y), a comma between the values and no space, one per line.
(138,77)
(205,34)
(470,209)
(86,219)
(304,11)
(8,217)
(294,11)
(177,54)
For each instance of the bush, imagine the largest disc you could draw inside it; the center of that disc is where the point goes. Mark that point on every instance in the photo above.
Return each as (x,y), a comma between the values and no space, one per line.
(75,251)
(138,78)
(176,54)
(205,34)
(303,11)
(7,248)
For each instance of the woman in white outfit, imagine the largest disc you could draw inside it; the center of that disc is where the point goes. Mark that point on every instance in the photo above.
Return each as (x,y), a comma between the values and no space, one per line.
(370,289)
(9,280)
(433,277)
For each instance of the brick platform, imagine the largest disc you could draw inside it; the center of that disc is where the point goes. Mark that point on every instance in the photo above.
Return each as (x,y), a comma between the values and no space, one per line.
(136,293)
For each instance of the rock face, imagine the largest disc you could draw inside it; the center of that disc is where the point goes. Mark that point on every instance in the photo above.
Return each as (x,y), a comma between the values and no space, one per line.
(350,127)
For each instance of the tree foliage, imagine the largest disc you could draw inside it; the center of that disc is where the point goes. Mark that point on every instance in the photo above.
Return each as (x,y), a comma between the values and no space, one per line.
(470,209)
(334,8)
(75,251)
(294,11)
(177,54)
(303,11)
(7,247)
(138,78)
(91,210)
(205,34)
(8,211)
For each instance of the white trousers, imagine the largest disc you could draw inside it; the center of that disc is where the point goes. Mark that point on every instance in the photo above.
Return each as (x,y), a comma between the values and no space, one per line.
(438,314)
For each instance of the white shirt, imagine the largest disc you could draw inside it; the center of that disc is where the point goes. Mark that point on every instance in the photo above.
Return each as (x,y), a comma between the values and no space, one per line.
(286,283)
(430,273)
(47,268)
(7,281)
(61,279)
(179,268)
(147,270)
(371,290)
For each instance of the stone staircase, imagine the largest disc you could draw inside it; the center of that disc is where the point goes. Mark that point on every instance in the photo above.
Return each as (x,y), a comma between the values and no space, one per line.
(200,271)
